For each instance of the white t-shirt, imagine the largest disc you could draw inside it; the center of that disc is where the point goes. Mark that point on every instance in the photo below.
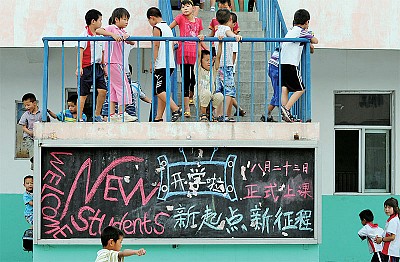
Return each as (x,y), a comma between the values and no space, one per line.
(392,226)
(235,50)
(370,231)
(105,255)
(127,50)
(291,51)
(221,31)
(162,58)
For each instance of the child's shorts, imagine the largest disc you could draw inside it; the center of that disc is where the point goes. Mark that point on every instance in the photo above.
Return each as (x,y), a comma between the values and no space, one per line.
(27,142)
(291,78)
(226,81)
(160,80)
(87,79)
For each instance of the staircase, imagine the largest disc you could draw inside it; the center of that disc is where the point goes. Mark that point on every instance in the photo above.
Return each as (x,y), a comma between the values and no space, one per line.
(250,26)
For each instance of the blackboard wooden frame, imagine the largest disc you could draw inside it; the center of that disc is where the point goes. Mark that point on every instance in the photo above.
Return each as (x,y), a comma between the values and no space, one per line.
(176,144)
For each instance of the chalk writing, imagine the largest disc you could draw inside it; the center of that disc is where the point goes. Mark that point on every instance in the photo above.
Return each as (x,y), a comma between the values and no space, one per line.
(177,192)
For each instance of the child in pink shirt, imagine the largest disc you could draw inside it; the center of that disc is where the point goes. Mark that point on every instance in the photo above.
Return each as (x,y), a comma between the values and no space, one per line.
(120,91)
(189,26)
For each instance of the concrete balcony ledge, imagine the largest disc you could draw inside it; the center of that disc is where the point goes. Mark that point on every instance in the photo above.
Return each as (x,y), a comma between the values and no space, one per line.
(251,133)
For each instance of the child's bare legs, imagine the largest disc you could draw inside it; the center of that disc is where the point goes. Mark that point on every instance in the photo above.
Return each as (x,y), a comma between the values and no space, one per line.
(228,105)
(288,103)
(270,108)
(212,5)
(101,97)
(160,109)
(186,103)
(112,107)
(82,105)
(162,101)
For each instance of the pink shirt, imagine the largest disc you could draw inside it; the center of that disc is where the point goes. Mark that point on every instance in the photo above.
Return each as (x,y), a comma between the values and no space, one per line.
(188,29)
(116,54)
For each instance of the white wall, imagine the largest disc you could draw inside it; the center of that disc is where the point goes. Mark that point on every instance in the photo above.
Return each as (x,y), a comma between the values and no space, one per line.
(351,70)
(29,20)
(350,24)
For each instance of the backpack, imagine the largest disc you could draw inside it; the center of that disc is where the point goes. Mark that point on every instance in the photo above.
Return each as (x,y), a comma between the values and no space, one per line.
(27,240)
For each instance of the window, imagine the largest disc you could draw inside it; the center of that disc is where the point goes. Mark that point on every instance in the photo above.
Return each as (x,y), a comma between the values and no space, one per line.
(363,127)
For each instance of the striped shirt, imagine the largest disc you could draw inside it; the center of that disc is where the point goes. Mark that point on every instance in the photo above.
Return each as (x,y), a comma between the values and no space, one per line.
(274,60)
(67,116)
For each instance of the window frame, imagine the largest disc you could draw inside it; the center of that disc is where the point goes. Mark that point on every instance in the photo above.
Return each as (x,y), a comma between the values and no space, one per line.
(363,130)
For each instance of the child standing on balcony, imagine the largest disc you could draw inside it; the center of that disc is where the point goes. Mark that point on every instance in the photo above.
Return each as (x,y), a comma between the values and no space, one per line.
(225,79)
(161,29)
(32,115)
(91,53)
(120,91)
(290,60)
(189,26)
(69,115)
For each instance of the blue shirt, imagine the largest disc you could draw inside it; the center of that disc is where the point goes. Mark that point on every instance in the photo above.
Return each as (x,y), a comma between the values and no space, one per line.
(67,116)
(28,208)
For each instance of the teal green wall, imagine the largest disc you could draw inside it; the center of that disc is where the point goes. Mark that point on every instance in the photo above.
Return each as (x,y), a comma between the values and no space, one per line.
(340,224)
(12,227)
(193,253)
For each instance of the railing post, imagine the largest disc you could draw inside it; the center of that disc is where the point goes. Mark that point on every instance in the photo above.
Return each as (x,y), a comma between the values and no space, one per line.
(45,79)
(308,82)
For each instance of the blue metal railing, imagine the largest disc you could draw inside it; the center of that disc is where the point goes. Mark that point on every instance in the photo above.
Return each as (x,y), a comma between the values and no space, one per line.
(303,107)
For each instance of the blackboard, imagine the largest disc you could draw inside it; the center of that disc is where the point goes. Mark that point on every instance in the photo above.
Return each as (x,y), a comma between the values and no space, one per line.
(174,193)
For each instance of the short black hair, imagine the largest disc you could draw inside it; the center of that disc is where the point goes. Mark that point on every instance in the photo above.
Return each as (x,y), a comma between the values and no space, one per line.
(234,17)
(119,13)
(29,96)
(92,14)
(367,215)
(224,2)
(223,16)
(27,177)
(73,98)
(392,202)
(186,2)
(110,232)
(301,17)
(153,11)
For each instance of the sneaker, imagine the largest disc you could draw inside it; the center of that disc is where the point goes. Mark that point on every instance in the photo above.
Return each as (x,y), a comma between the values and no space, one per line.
(286,116)
(98,119)
(212,9)
(226,119)
(127,117)
(115,118)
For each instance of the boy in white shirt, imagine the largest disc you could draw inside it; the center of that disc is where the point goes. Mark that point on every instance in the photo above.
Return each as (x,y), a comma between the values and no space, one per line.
(369,231)
(225,79)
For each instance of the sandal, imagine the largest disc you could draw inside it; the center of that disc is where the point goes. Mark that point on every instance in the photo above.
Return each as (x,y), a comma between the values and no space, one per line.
(186,114)
(176,114)
(203,118)
(158,120)
(241,112)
